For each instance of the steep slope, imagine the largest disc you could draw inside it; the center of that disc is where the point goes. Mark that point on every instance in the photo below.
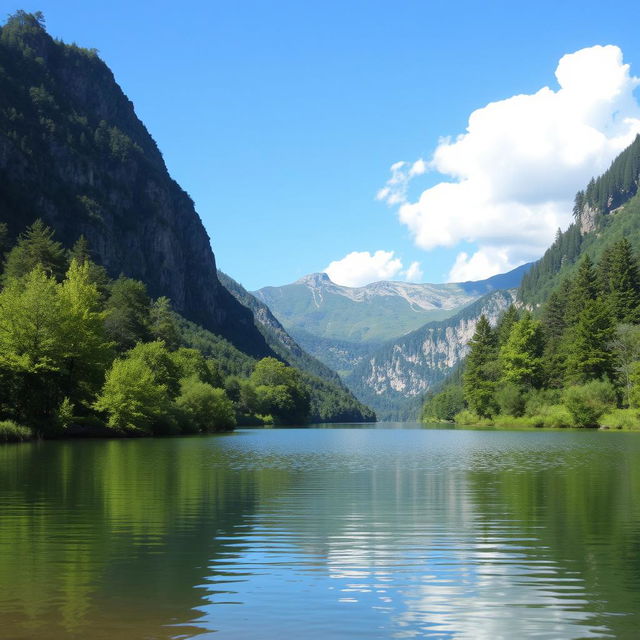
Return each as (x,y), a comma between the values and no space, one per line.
(74,153)
(606,211)
(332,401)
(395,377)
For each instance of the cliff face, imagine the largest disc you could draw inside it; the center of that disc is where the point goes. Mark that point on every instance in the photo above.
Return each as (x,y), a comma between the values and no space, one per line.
(74,153)
(408,367)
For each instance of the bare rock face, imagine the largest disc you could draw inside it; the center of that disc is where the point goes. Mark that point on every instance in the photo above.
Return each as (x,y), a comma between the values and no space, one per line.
(74,153)
(588,219)
(410,366)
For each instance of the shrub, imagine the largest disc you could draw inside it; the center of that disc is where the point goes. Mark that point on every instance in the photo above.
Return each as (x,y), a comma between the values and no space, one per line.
(133,399)
(621,419)
(587,402)
(510,399)
(12,432)
(205,408)
(467,417)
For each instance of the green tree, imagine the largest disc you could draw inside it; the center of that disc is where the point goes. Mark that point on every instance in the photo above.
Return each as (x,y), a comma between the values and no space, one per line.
(444,405)
(158,359)
(589,356)
(588,402)
(626,347)
(204,408)
(505,324)
(128,309)
(86,349)
(481,372)
(521,354)
(624,283)
(36,247)
(281,391)
(31,347)
(133,399)
(583,288)
(163,325)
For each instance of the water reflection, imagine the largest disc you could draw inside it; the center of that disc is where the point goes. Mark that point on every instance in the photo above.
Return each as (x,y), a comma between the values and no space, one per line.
(323,534)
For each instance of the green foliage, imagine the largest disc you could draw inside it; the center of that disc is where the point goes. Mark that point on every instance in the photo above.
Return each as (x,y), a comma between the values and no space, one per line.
(128,311)
(132,397)
(12,432)
(589,354)
(162,323)
(588,402)
(281,392)
(521,353)
(203,408)
(481,371)
(627,419)
(35,248)
(444,405)
(510,399)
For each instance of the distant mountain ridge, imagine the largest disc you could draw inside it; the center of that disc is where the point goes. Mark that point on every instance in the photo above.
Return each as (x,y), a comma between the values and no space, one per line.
(376,312)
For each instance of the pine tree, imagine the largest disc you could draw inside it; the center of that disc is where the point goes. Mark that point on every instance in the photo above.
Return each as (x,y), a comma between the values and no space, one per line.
(505,324)
(624,294)
(481,372)
(36,247)
(583,288)
(521,355)
(589,356)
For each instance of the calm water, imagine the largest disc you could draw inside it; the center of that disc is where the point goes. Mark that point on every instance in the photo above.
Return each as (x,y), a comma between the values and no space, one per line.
(323,534)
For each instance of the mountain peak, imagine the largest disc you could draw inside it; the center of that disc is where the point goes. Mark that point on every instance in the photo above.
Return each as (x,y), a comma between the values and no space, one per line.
(314,280)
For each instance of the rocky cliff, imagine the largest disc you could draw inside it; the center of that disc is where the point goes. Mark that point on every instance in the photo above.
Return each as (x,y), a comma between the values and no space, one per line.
(394,378)
(74,153)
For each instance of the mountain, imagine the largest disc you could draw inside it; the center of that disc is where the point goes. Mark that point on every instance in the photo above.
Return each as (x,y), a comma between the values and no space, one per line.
(376,312)
(331,400)
(394,378)
(74,153)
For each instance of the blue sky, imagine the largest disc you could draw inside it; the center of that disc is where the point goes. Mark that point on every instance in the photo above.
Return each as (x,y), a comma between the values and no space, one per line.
(282,120)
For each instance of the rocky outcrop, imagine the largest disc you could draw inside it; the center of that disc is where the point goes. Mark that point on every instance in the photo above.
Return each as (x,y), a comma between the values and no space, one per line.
(410,366)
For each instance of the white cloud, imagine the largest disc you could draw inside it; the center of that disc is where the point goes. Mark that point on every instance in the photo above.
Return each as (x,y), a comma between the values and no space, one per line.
(361,267)
(513,174)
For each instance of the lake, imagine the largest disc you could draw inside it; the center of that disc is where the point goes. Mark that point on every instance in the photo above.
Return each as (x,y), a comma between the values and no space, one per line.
(323,533)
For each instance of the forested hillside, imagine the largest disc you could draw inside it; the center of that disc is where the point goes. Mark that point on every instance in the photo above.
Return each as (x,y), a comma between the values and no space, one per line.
(571,356)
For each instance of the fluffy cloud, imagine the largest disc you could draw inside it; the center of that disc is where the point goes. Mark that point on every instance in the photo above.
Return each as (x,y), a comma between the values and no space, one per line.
(361,267)
(513,174)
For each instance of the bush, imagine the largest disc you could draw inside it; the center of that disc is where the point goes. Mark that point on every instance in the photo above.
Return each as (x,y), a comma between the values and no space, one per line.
(12,432)
(510,399)
(587,402)
(538,400)
(205,409)
(133,399)
(467,417)
(444,405)
(622,419)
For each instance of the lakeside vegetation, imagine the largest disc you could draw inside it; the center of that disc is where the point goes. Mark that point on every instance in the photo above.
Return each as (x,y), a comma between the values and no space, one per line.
(81,354)
(574,362)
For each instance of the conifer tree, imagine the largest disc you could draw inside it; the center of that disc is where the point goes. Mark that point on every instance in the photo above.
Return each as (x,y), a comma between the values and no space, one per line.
(481,370)
(624,293)
(36,247)
(589,354)
(521,355)
(505,324)
(583,288)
